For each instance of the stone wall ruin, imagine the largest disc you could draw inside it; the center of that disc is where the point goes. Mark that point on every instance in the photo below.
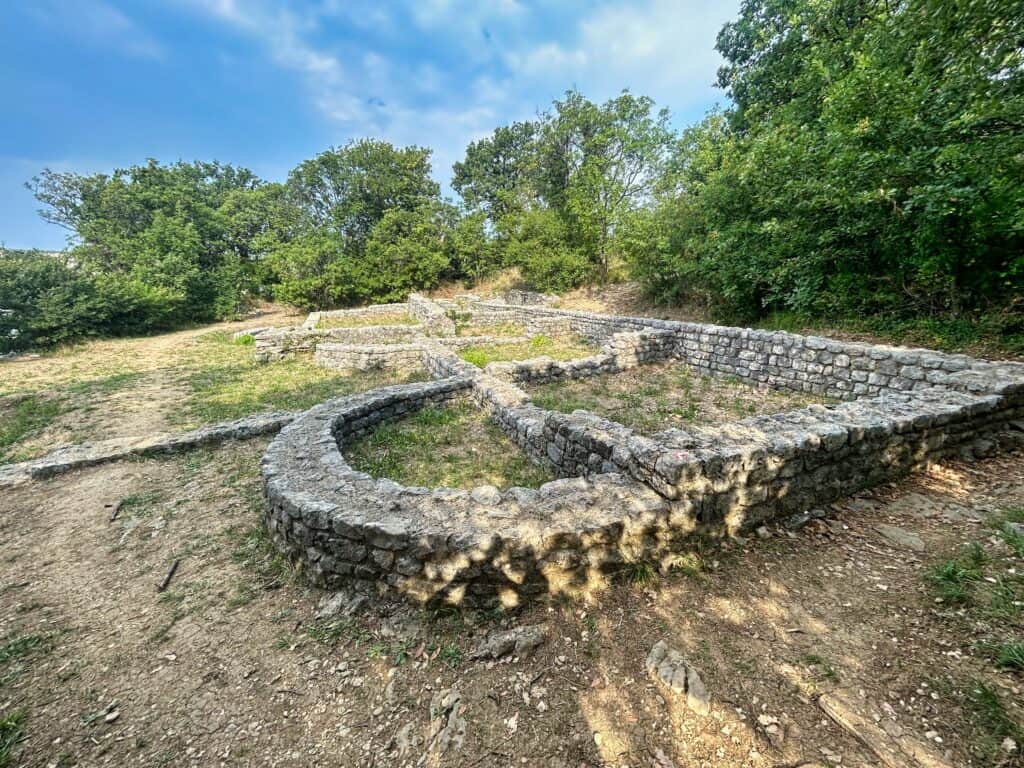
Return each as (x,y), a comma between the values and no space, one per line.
(623,496)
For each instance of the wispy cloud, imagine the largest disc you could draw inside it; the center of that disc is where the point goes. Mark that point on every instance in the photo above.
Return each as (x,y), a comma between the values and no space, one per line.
(444,72)
(97,24)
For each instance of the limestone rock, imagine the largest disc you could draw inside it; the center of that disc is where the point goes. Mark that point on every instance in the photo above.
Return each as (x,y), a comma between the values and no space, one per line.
(519,642)
(668,665)
(901,537)
(447,726)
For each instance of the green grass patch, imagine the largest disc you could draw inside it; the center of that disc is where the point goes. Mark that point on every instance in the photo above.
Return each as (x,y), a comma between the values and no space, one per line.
(226,383)
(23,417)
(823,668)
(1010,526)
(984,587)
(454,446)
(106,385)
(1010,656)
(19,646)
(640,573)
(254,551)
(991,722)
(538,346)
(954,579)
(12,731)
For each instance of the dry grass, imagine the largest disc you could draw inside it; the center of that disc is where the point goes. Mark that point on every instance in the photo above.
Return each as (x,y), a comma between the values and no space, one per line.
(656,397)
(127,387)
(366,321)
(538,346)
(498,330)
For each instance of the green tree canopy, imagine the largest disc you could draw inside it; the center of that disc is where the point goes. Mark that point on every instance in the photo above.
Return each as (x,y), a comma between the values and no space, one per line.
(873,162)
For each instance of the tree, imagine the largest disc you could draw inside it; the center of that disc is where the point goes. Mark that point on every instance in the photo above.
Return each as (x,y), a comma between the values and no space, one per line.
(589,164)
(495,177)
(598,163)
(405,252)
(157,225)
(872,163)
(349,189)
(371,227)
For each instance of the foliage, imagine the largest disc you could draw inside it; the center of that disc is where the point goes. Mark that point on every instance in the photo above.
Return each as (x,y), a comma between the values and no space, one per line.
(556,191)
(50,299)
(347,190)
(164,227)
(538,243)
(873,162)
(494,178)
(371,227)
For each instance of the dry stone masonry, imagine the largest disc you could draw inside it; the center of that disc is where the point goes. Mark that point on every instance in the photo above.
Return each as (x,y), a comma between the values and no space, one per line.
(623,496)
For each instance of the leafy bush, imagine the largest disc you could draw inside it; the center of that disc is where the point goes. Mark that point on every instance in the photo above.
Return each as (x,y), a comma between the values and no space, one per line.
(538,244)
(873,161)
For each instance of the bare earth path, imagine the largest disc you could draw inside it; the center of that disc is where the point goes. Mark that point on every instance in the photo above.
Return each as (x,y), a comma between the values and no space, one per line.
(220,670)
(230,665)
(115,387)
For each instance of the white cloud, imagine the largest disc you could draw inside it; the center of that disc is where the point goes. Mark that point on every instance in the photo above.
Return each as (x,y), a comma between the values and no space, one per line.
(441,73)
(660,48)
(547,59)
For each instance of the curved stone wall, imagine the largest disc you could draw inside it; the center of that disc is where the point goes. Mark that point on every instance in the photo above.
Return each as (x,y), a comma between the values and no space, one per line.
(474,546)
(624,495)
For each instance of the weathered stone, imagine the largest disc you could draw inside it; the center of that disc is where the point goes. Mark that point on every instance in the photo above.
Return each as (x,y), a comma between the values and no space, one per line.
(622,495)
(901,537)
(520,641)
(668,665)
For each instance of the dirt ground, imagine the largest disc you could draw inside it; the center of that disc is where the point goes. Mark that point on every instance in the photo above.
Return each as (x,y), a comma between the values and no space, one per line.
(230,666)
(115,387)
(220,670)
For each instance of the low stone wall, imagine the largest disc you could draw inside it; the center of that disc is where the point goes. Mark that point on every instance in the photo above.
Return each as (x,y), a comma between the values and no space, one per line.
(622,352)
(473,546)
(72,457)
(843,370)
(625,495)
(528,298)
(368,357)
(275,344)
(314,319)
(433,317)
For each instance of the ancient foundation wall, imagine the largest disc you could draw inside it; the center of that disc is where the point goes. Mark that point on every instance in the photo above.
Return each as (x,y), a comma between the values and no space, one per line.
(623,495)
(843,370)
(369,357)
(433,317)
(314,319)
(275,344)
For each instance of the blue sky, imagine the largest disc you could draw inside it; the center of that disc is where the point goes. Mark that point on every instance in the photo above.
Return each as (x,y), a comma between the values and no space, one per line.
(92,85)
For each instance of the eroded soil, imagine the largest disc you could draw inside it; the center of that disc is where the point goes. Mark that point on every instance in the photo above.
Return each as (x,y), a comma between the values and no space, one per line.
(230,667)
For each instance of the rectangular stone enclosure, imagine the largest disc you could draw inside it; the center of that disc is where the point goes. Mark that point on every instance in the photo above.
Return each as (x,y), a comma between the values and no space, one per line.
(878,413)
